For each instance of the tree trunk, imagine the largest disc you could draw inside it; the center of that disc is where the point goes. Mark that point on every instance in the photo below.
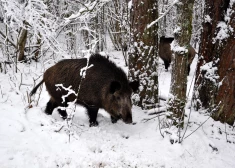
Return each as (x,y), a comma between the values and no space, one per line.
(216,69)
(142,58)
(180,49)
(21,44)
(36,55)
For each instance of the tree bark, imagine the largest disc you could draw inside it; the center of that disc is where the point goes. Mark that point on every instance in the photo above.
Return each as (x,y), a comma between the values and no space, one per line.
(179,68)
(216,69)
(36,56)
(142,58)
(21,44)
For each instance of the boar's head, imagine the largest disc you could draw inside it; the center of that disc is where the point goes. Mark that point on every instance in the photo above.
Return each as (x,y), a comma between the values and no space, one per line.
(119,100)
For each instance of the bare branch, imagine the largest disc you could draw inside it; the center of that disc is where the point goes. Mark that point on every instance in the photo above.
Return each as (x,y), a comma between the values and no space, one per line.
(198,127)
(4,36)
(163,15)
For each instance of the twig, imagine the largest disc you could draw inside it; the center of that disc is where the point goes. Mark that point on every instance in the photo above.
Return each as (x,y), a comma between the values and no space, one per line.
(21,78)
(39,95)
(70,121)
(1,90)
(78,126)
(159,126)
(226,130)
(191,82)
(4,36)
(191,103)
(159,120)
(188,120)
(197,127)
(188,152)
(60,129)
(29,99)
(213,148)
(164,14)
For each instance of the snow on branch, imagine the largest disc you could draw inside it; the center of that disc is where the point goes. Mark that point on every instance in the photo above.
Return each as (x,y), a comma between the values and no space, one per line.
(32,15)
(224,27)
(224,32)
(70,91)
(176,48)
(87,8)
(84,69)
(163,15)
(210,72)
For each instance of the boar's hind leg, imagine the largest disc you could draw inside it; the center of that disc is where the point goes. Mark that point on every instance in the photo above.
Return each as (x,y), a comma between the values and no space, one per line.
(92,114)
(50,107)
(167,64)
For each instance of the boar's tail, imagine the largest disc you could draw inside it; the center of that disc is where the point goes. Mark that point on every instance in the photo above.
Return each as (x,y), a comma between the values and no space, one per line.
(36,88)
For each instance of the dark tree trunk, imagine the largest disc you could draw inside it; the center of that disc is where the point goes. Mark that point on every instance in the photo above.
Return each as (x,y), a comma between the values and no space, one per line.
(36,55)
(21,44)
(216,69)
(179,67)
(142,58)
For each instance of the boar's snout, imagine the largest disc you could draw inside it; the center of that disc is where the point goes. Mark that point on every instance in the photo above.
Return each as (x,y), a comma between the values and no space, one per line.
(128,118)
(128,121)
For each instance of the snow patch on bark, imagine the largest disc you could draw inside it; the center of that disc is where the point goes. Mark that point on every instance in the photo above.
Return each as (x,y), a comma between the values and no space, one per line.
(210,72)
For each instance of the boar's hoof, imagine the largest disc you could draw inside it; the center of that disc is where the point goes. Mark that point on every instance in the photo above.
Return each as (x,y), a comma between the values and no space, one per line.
(64,117)
(94,124)
(113,120)
(63,113)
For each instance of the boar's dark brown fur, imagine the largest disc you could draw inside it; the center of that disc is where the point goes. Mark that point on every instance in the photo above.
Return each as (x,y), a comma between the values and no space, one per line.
(165,52)
(104,86)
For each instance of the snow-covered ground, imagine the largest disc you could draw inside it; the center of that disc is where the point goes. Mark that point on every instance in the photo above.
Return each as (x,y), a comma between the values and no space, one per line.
(30,139)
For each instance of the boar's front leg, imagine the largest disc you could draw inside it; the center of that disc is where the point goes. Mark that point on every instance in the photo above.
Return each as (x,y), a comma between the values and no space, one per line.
(92,112)
(113,120)
(167,64)
(63,113)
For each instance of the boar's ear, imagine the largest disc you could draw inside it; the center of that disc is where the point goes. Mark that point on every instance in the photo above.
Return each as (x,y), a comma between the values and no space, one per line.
(114,86)
(134,85)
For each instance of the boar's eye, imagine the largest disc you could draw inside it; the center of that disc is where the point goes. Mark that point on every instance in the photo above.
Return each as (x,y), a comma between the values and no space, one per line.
(114,86)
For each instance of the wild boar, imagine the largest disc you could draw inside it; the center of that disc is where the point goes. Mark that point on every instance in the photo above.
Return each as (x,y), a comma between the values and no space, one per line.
(105,86)
(165,52)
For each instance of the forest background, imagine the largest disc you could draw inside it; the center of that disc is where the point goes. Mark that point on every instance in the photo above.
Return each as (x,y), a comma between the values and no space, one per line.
(36,34)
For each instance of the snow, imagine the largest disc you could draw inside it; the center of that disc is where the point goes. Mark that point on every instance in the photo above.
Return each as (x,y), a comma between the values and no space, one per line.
(175,47)
(224,27)
(224,32)
(210,72)
(30,138)
(208,19)
(130,4)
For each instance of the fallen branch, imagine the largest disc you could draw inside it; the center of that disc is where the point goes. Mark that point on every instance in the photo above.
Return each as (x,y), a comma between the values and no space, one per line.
(159,112)
(148,119)
(198,127)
